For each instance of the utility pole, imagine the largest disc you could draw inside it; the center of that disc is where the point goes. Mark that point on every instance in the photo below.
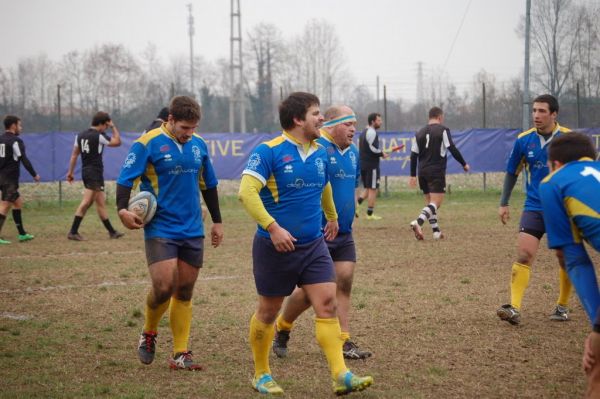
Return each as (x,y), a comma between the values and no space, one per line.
(236,65)
(526,96)
(191,33)
(377,93)
(420,94)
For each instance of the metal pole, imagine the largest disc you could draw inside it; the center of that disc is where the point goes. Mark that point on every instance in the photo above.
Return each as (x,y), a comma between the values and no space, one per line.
(385,108)
(241,81)
(59,112)
(191,34)
(526,96)
(172,89)
(578,107)
(484,126)
(231,80)
(378,93)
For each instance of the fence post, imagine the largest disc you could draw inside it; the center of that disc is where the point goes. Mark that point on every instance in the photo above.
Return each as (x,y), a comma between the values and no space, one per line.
(59,111)
(484,126)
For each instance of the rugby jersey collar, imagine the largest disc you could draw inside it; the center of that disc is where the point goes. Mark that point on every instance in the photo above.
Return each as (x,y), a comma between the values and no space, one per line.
(165,130)
(325,134)
(543,141)
(313,146)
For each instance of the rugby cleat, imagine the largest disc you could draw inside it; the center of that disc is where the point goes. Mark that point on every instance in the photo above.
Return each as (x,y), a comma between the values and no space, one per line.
(348,382)
(116,234)
(416,228)
(561,313)
(265,384)
(280,342)
(438,235)
(373,217)
(4,242)
(509,313)
(352,351)
(26,237)
(75,237)
(184,361)
(147,346)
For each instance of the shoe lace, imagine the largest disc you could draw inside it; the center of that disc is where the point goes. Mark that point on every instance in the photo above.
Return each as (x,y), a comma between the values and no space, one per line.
(282,337)
(150,341)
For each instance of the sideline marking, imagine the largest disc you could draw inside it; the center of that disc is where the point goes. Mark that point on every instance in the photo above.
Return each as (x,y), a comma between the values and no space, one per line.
(103,284)
(14,316)
(74,254)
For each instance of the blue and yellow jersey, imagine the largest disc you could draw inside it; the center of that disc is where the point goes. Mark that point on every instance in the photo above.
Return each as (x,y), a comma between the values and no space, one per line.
(293,181)
(174,173)
(344,174)
(571,204)
(530,153)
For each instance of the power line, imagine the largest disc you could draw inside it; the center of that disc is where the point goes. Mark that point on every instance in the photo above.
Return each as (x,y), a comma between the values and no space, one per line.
(457,32)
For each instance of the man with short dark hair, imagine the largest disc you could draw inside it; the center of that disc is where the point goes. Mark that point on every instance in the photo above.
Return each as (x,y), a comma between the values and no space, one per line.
(12,154)
(161,118)
(90,145)
(571,209)
(530,154)
(370,153)
(336,136)
(429,151)
(285,189)
(173,163)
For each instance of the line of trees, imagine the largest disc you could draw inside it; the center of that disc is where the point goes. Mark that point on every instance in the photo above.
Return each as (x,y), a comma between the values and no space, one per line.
(134,86)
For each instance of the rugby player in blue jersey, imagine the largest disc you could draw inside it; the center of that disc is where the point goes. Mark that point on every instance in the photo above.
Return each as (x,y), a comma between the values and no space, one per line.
(285,188)
(530,154)
(344,171)
(172,162)
(571,208)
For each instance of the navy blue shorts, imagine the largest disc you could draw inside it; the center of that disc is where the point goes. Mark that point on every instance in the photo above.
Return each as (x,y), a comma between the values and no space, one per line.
(342,248)
(532,223)
(190,250)
(277,273)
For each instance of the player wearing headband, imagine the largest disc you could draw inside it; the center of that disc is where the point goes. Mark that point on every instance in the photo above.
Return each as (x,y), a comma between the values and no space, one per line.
(336,136)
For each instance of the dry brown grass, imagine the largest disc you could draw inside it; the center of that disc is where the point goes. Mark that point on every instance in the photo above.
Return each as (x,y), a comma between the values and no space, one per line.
(426,310)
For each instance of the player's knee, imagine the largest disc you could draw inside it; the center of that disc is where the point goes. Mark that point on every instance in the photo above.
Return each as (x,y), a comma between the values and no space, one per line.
(344,284)
(327,307)
(184,293)
(524,257)
(267,314)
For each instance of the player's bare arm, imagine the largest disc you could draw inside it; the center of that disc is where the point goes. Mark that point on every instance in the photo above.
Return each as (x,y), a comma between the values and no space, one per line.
(216,234)
(72,162)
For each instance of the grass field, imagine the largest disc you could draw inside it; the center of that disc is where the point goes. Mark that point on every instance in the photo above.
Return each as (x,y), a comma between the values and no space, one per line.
(71,313)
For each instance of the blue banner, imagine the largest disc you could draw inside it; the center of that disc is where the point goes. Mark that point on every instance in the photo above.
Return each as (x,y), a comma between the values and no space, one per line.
(486,150)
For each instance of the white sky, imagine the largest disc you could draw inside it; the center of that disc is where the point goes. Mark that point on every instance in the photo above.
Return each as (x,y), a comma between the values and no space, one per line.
(380,37)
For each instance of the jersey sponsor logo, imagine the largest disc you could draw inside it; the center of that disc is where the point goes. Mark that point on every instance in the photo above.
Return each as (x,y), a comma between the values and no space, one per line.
(130,160)
(539,165)
(299,183)
(168,158)
(178,170)
(353,160)
(253,162)
(332,160)
(197,154)
(320,167)
(288,169)
(341,174)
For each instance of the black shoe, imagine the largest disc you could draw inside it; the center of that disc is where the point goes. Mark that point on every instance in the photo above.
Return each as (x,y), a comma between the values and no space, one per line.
(116,234)
(352,351)
(75,237)
(147,347)
(280,342)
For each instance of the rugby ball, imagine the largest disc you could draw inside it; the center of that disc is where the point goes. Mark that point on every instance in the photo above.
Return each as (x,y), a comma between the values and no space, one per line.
(143,204)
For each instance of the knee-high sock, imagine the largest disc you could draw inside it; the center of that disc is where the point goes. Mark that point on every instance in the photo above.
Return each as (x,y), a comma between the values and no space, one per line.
(180,319)
(518,283)
(328,335)
(261,338)
(16,214)
(153,316)
(564,287)
(283,324)
(427,213)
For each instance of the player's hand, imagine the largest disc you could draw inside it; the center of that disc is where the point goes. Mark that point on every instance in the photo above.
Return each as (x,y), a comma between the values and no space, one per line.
(592,344)
(130,220)
(37,178)
(385,155)
(216,234)
(331,230)
(70,177)
(466,168)
(412,182)
(281,238)
(504,214)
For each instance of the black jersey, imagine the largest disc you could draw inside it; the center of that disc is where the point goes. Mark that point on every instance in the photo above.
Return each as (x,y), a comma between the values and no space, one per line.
(430,147)
(369,150)
(91,142)
(12,153)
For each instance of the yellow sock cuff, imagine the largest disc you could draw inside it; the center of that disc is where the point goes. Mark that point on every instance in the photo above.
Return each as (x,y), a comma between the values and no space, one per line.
(565,288)
(283,324)
(345,335)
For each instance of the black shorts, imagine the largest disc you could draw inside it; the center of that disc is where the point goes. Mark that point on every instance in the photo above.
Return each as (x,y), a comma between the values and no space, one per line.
(370,177)
(10,191)
(532,223)
(189,250)
(432,184)
(342,248)
(93,179)
(277,273)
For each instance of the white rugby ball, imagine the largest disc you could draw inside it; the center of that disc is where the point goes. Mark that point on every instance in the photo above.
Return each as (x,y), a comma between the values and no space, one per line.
(143,204)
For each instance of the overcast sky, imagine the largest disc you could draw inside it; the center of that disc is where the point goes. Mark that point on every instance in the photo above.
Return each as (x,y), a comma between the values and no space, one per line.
(380,37)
